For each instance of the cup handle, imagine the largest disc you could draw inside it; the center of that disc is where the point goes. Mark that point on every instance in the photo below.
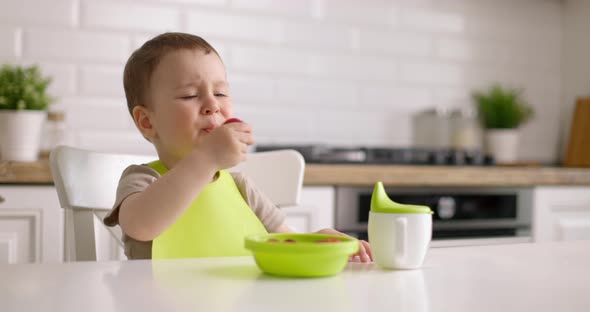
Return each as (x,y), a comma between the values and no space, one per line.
(401,237)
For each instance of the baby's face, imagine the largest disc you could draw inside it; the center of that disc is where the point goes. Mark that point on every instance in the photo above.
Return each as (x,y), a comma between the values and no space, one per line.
(188,97)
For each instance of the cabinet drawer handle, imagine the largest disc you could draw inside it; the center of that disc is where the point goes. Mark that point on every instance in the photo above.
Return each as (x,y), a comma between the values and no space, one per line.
(2,199)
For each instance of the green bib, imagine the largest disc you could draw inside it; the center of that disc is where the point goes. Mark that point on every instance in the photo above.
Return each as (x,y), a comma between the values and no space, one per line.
(214,225)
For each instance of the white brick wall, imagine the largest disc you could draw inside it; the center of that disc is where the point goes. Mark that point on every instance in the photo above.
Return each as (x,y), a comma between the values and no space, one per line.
(235,26)
(301,71)
(129,16)
(10,42)
(576,67)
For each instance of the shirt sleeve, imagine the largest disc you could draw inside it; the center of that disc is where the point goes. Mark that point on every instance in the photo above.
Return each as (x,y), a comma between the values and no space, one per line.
(267,212)
(134,179)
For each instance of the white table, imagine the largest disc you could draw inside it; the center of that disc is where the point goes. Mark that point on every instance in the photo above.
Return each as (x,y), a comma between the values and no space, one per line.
(518,277)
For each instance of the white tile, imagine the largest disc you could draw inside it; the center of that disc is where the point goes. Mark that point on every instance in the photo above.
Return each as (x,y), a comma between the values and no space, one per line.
(276,123)
(536,56)
(101,81)
(362,12)
(63,78)
(10,40)
(539,141)
(316,35)
(212,3)
(431,20)
(362,66)
(532,12)
(132,16)
(114,141)
(315,93)
(261,60)
(296,8)
(395,98)
(233,26)
(452,97)
(471,50)
(362,128)
(38,12)
(394,42)
(455,49)
(75,46)
(251,88)
(431,73)
(96,113)
(354,67)
(539,55)
(511,30)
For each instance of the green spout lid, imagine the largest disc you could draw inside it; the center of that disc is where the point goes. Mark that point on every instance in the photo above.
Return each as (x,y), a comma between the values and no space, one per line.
(381,203)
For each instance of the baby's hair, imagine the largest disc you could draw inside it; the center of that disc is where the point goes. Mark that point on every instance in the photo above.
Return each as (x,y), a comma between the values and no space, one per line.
(142,63)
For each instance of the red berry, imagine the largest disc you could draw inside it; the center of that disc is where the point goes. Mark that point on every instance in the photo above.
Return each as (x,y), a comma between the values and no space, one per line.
(232,120)
(288,240)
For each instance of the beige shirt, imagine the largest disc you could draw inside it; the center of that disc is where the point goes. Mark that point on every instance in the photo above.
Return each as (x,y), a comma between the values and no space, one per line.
(137,178)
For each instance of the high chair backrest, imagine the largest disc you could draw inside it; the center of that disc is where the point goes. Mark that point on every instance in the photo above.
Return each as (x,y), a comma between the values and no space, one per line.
(86,183)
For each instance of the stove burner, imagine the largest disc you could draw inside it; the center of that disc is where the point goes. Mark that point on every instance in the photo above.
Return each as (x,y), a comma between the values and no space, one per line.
(325,154)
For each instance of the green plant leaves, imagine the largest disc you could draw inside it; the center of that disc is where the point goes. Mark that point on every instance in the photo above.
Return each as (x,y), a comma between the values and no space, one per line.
(23,88)
(501,108)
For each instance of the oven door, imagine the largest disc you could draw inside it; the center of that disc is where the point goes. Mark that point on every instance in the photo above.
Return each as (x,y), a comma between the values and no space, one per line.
(462,216)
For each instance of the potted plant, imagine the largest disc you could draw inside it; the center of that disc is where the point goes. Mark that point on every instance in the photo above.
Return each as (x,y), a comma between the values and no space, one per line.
(23,108)
(502,111)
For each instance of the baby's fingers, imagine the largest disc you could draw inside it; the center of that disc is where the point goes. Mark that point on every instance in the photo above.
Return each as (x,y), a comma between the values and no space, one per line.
(364,257)
(368,251)
(246,138)
(364,253)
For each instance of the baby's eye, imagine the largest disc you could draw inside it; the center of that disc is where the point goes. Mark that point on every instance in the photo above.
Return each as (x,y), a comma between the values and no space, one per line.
(188,97)
(220,94)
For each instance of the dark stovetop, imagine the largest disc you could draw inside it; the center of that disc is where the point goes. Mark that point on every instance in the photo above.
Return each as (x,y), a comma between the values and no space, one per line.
(326,154)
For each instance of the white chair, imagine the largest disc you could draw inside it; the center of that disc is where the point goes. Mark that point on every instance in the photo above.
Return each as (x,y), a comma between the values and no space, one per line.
(86,183)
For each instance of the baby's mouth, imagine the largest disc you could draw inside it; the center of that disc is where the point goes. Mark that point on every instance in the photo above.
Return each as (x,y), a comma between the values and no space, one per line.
(209,129)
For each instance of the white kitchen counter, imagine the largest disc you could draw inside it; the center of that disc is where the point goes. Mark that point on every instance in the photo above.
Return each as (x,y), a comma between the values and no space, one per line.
(518,277)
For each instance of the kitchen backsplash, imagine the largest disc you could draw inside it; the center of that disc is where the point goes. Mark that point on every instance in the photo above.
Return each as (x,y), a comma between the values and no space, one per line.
(301,71)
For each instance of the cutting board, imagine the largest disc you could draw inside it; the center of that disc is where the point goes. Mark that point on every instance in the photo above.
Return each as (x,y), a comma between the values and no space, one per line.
(578,151)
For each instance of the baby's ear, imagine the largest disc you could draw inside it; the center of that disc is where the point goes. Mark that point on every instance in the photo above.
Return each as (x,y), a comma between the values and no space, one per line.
(143,122)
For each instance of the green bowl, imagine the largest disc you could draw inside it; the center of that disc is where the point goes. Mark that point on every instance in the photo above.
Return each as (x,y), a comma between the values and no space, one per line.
(306,257)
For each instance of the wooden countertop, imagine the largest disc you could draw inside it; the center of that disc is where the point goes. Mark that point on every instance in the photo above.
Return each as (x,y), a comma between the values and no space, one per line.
(444,175)
(367,175)
(15,172)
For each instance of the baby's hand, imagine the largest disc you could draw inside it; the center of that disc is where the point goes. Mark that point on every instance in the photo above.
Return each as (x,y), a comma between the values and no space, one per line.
(228,144)
(363,255)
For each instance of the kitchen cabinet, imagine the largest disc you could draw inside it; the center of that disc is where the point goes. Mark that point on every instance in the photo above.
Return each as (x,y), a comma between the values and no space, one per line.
(561,213)
(315,210)
(31,224)
(31,219)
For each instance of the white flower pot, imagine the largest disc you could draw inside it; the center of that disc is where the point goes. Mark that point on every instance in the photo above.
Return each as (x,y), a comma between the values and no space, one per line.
(20,134)
(502,144)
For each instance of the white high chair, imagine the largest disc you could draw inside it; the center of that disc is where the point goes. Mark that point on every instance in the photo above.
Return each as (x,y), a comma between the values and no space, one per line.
(86,183)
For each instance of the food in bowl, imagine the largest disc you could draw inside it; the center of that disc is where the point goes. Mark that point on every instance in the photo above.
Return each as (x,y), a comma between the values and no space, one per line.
(288,240)
(301,255)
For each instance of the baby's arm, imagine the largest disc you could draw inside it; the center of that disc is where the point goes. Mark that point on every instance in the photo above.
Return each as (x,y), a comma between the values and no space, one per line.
(274,220)
(147,214)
